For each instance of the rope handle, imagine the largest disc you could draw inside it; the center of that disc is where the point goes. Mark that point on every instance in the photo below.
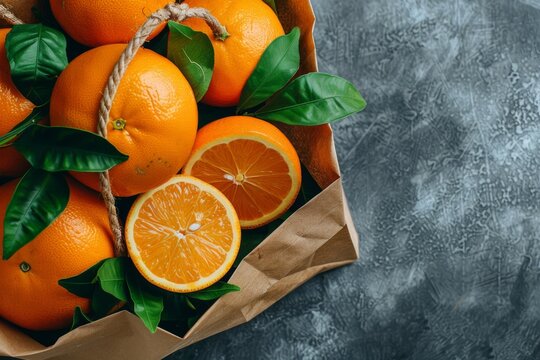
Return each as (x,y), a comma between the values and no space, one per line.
(8,16)
(174,11)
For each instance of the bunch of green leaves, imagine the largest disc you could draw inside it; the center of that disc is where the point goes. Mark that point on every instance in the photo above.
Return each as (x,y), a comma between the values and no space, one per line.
(115,283)
(37,56)
(272,92)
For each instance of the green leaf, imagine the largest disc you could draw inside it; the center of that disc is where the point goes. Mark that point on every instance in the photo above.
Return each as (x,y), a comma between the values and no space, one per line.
(79,319)
(277,66)
(313,99)
(83,284)
(55,148)
(37,55)
(272,4)
(147,305)
(37,114)
(192,52)
(189,303)
(104,283)
(40,197)
(214,292)
(112,277)
(102,302)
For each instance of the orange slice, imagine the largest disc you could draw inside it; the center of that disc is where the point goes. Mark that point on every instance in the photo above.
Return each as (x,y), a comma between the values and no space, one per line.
(184,235)
(252,162)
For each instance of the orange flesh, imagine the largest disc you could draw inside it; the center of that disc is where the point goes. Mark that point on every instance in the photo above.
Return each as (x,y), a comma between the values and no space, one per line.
(254,177)
(183,237)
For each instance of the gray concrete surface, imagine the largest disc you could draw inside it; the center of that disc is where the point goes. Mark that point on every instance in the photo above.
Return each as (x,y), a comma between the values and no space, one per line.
(443,176)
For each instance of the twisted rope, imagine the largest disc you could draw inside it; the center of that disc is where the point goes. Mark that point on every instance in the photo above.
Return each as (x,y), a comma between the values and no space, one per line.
(175,12)
(8,16)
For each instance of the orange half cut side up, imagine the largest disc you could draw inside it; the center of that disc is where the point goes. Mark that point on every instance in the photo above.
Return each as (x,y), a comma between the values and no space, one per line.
(184,235)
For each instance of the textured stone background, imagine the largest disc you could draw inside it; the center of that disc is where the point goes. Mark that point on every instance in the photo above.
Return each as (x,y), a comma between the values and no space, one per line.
(443,177)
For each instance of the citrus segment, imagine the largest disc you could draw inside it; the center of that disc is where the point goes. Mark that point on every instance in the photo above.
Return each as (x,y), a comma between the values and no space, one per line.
(184,235)
(252,162)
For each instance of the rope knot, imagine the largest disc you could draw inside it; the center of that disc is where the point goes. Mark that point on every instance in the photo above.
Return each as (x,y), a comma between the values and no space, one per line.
(177,12)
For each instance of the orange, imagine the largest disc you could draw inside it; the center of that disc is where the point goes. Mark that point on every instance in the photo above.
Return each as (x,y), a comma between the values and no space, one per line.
(99,22)
(184,235)
(76,240)
(153,118)
(252,26)
(252,162)
(14,108)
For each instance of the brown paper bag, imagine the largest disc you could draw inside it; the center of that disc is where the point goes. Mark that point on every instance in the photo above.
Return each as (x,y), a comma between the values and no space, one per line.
(318,237)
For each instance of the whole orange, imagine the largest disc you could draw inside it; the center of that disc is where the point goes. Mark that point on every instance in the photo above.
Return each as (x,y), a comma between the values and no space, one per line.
(76,240)
(153,119)
(252,26)
(101,22)
(14,108)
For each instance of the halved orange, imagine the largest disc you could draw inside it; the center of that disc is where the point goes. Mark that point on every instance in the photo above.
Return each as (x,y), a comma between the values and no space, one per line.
(184,235)
(252,162)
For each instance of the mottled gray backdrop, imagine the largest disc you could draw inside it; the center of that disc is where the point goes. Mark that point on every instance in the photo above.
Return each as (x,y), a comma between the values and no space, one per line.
(443,177)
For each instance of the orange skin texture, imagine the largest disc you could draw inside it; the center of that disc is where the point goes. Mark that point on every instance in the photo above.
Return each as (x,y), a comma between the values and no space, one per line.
(154,99)
(99,22)
(76,240)
(252,26)
(14,108)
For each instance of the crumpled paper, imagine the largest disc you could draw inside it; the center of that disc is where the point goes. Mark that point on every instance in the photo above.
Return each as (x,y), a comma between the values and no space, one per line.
(318,237)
